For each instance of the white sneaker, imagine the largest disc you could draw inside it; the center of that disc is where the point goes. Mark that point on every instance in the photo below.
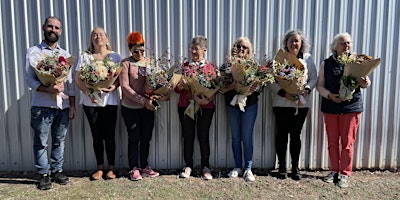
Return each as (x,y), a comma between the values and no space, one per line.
(331,177)
(344,181)
(207,174)
(186,171)
(235,173)
(248,176)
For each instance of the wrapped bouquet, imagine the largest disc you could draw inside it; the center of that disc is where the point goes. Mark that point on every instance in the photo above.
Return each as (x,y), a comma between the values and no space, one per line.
(291,75)
(355,66)
(290,72)
(162,77)
(246,72)
(52,70)
(98,74)
(201,79)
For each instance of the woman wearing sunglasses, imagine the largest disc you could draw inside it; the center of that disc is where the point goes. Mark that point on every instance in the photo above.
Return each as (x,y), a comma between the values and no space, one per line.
(137,109)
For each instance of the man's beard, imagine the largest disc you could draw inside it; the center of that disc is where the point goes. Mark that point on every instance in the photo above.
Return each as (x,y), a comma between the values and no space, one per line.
(51,37)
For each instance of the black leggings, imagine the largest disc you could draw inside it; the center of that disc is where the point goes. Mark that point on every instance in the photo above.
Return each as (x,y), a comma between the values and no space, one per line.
(288,123)
(102,121)
(139,124)
(203,122)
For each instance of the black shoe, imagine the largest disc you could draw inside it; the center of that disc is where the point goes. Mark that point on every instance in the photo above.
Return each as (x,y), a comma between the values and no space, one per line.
(282,172)
(59,178)
(282,175)
(44,183)
(296,174)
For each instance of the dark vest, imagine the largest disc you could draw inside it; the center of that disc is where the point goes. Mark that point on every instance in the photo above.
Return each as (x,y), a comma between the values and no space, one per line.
(333,72)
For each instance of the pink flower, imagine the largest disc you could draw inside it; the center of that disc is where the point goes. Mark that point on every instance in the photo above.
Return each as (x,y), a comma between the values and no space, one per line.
(62,60)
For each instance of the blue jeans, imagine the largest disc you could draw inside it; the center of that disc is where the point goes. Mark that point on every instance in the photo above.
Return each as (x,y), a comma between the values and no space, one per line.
(44,120)
(242,125)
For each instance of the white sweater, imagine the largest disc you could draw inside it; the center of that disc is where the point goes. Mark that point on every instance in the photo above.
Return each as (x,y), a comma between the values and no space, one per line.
(278,101)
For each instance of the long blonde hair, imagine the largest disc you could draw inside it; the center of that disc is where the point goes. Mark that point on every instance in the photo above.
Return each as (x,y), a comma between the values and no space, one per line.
(90,48)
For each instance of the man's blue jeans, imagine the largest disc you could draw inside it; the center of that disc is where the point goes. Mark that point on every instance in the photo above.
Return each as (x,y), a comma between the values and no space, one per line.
(242,125)
(43,121)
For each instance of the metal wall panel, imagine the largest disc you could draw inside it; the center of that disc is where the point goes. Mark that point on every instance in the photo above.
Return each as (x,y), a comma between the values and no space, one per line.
(169,25)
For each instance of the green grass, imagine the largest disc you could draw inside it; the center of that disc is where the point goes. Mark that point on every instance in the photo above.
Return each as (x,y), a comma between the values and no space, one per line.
(363,185)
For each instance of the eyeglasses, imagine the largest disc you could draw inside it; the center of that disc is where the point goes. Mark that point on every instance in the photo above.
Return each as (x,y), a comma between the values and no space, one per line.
(138,50)
(241,46)
(195,49)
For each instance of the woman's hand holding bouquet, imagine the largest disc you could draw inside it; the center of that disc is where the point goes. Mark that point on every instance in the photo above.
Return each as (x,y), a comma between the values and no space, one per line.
(99,76)
(162,78)
(201,81)
(291,75)
(248,76)
(356,69)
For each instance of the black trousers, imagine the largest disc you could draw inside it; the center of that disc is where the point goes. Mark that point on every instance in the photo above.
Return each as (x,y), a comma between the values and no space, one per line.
(203,119)
(139,124)
(288,123)
(102,121)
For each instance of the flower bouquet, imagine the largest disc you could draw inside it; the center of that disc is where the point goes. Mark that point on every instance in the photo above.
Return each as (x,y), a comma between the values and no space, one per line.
(98,74)
(201,79)
(246,72)
(356,66)
(224,76)
(291,75)
(52,70)
(290,72)
(162,77)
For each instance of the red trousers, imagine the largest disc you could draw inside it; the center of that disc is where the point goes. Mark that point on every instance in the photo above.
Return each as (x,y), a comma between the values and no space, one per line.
(341,130)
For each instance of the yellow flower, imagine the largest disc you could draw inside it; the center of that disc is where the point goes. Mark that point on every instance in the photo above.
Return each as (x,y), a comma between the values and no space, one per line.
(102,71)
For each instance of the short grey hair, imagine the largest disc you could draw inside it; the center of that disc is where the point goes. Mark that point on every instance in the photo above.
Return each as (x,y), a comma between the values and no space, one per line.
(200,41)
(336,39)
(305,44)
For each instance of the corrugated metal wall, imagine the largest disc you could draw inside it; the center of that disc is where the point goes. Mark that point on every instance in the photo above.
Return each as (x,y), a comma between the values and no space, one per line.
(170,24)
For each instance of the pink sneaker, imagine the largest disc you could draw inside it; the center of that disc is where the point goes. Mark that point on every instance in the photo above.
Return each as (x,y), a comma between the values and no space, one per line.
(148,172)
(134,174)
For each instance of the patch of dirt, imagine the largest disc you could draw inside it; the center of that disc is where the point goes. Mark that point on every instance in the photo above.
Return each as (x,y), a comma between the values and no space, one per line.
(364,184)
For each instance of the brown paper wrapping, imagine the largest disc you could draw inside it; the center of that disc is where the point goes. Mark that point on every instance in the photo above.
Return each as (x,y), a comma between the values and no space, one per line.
(165,90)
(295,86)
(361,69)
(48,79)
(104,84)
(198,89)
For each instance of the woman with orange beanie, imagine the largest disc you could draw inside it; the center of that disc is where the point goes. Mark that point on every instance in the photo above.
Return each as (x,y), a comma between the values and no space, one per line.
(137,109)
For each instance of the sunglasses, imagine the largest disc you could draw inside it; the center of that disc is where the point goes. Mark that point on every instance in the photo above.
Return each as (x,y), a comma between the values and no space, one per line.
(241,46)
(139,50)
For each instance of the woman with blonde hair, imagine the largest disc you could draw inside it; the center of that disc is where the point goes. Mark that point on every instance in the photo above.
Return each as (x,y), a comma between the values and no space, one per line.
(102,119)
(241,123)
